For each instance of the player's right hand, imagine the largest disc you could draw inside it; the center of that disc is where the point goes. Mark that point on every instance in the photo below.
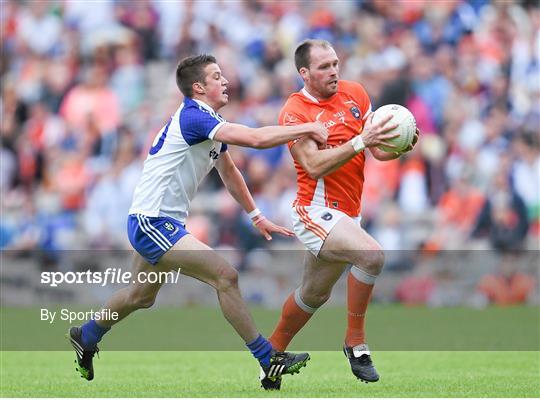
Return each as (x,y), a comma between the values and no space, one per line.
(267,227)
(378,134)
(319,133)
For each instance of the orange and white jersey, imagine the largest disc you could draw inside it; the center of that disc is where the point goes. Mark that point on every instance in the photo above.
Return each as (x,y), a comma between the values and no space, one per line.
(344,115)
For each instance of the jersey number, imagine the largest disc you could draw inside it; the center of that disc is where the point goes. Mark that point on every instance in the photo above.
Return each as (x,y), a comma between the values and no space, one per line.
(159,144)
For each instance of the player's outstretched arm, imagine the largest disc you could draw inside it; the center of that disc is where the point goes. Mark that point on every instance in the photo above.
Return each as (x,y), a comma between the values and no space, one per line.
(269,136)
(236,185)
(318,163)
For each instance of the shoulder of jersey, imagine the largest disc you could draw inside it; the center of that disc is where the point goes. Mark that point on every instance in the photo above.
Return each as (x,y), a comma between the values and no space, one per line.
(296,102)
(295,98)
(191,104)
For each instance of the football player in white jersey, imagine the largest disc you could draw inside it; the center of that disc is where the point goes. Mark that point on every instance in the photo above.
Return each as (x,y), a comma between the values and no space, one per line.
(193,141)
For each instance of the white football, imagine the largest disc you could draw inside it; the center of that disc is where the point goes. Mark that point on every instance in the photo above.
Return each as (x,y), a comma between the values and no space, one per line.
(406,126)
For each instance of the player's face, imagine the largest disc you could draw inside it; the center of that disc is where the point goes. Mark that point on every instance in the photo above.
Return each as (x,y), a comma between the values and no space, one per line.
(215,86)
(322,76)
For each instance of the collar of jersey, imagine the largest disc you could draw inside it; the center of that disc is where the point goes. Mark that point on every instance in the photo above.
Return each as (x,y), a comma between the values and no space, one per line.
(202,104)
(308,95)
(313,98)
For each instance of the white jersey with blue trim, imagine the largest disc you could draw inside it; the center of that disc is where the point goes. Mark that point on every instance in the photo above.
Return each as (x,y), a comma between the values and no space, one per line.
(182,154)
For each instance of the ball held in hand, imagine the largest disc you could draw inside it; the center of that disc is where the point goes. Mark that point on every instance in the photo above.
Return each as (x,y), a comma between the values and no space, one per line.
(406,126)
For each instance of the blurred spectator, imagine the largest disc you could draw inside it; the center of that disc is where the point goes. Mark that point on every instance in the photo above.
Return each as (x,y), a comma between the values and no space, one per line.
(503,217)
(390,233)
(92,99)
(143,19)
(526,172)
(104,215)
(430,86)
(417,288)
(413,193)
(507,286)
(459,207)
(38,27)
(258,284)
(383,183)
(74,73)
(127,81)
(69,178)
(89,18)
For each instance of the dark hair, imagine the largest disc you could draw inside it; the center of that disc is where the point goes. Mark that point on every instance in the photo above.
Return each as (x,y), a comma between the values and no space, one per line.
(302,52)
(191,70)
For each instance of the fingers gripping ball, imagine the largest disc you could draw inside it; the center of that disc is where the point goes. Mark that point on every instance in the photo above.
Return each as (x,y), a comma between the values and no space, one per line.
(406,126)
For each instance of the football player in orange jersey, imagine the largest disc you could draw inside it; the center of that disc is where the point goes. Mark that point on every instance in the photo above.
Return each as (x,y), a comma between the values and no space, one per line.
(326,212)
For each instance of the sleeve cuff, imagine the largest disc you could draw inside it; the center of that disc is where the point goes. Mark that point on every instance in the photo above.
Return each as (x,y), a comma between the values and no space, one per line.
(214,131)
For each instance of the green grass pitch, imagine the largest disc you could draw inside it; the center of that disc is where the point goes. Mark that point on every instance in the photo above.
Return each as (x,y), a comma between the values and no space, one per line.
(142,371)
(234,374)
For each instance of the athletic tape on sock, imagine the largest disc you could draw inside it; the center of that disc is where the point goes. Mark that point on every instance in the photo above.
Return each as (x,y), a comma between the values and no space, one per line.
(363,276)
(301,304)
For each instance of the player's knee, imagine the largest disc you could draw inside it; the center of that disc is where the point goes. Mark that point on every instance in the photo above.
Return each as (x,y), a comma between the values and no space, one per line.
(228,278)
(316,299)
(373,261)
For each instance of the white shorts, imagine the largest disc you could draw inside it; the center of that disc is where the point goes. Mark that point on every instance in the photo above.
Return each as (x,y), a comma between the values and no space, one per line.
(312,224)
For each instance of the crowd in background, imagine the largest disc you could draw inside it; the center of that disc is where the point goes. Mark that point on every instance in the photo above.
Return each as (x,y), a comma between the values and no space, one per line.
(87,85)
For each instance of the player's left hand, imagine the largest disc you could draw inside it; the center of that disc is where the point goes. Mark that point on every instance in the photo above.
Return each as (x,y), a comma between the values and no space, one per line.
(267,227)
(414,141)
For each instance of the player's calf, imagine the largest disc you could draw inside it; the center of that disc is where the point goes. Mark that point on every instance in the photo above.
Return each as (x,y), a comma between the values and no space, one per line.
(313,298)
(138,300)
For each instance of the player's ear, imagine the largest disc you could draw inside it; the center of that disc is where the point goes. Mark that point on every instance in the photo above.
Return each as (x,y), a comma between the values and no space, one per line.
(304,73)
(198,88)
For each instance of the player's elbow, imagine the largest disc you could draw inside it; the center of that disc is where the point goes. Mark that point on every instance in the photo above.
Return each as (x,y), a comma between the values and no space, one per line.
(256,140)
(314,172)
(314,176)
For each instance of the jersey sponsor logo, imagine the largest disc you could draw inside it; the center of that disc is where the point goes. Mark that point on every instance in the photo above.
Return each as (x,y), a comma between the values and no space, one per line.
(329,124)
(327,216)
(340,115)
(214,155)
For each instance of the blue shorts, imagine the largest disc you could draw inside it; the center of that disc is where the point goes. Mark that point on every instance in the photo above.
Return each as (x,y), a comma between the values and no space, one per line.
(154,236)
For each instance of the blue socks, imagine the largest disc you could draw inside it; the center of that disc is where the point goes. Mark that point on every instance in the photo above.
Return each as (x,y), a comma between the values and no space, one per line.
(92,333)
(261,350)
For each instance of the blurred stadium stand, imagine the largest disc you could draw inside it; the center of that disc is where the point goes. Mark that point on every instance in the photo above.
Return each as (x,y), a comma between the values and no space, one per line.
(86,86)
